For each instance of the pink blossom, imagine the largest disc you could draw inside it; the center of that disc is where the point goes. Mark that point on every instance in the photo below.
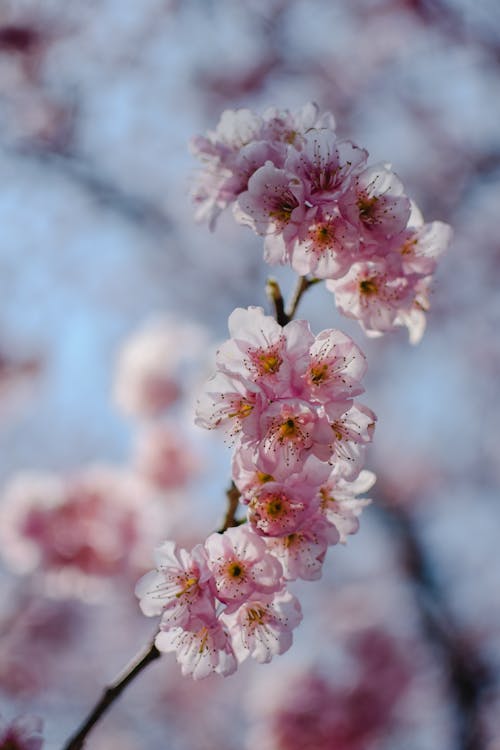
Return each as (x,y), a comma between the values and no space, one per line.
(292,127)
(273,205)
(278,509)
(421,246)
(148,369)
(264,352)
(90,524)
(325,246)
(22,733)
(302,552)
(241,143)
(376,204)
(262,626)
(240,565)
(202,650)
(229,402)
(290,430)
(178,589)
(334,370)
(163,458)
(248,478)
(375,293)
(352,430)
(340,505)
(324,164)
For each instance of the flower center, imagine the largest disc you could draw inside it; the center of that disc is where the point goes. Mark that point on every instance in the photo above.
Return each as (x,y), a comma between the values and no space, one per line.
(289,429)
(242,410)
(367,207)
(269,362)
(235,569)
(318,373)
(189,583)
(368,287)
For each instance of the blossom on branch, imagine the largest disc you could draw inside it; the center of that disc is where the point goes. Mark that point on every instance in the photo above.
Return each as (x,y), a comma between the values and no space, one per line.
(325,211)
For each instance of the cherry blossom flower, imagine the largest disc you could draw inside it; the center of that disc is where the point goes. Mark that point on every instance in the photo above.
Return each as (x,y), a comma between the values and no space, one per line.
(421,246)
(324,164)
(352,430)
(240,565)
(326,245)
(290,430)
(148,369)
(273,206)
(335,368)
(201,650)
(375,293)
(248,478)
(262,626)
(91,524)
(376,204)
(178,589)
(23,733)
(163,458)
(262,351)
(229,402)
(241,143)
(278,509)
(340,505)
(302,552)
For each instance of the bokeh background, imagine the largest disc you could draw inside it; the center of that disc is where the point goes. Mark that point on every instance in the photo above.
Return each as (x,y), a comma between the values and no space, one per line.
(100,256)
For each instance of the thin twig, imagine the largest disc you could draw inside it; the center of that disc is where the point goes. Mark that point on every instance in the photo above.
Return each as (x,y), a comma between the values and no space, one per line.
(303,285)
(233,497)
(274,293)
(111,693)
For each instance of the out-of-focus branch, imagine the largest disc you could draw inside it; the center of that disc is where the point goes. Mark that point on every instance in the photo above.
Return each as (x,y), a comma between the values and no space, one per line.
(468,675)
(111,693)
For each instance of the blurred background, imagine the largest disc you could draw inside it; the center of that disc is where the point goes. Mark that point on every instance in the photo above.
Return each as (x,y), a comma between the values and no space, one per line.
(113,300)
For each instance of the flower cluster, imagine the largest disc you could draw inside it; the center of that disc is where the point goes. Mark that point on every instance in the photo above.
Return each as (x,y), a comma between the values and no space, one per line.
(325,211)
(286,400)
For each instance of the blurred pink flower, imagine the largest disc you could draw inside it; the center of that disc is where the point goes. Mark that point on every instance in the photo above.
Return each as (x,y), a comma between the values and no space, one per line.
(163,457)
(23,733)
(151,364)
(91,524)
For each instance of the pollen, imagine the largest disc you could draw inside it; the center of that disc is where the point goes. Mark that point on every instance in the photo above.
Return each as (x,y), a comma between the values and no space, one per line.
(408,247)
(367,207)
(235,570)
(256,615)
(275,506)
(368,287)
(269,363)
(189,583)
(322,236)
(288,429)
(243,410)
(318,373)
(262,478)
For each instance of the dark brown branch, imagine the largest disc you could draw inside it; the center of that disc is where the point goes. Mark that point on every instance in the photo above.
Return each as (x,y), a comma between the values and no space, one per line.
(303,285)
(233,498)
(274,293)
(111,693)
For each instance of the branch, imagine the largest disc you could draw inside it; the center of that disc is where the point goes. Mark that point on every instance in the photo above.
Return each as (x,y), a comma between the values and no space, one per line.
(469,677)
(233,497)
(111,693)
(274,293)
(303,285)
